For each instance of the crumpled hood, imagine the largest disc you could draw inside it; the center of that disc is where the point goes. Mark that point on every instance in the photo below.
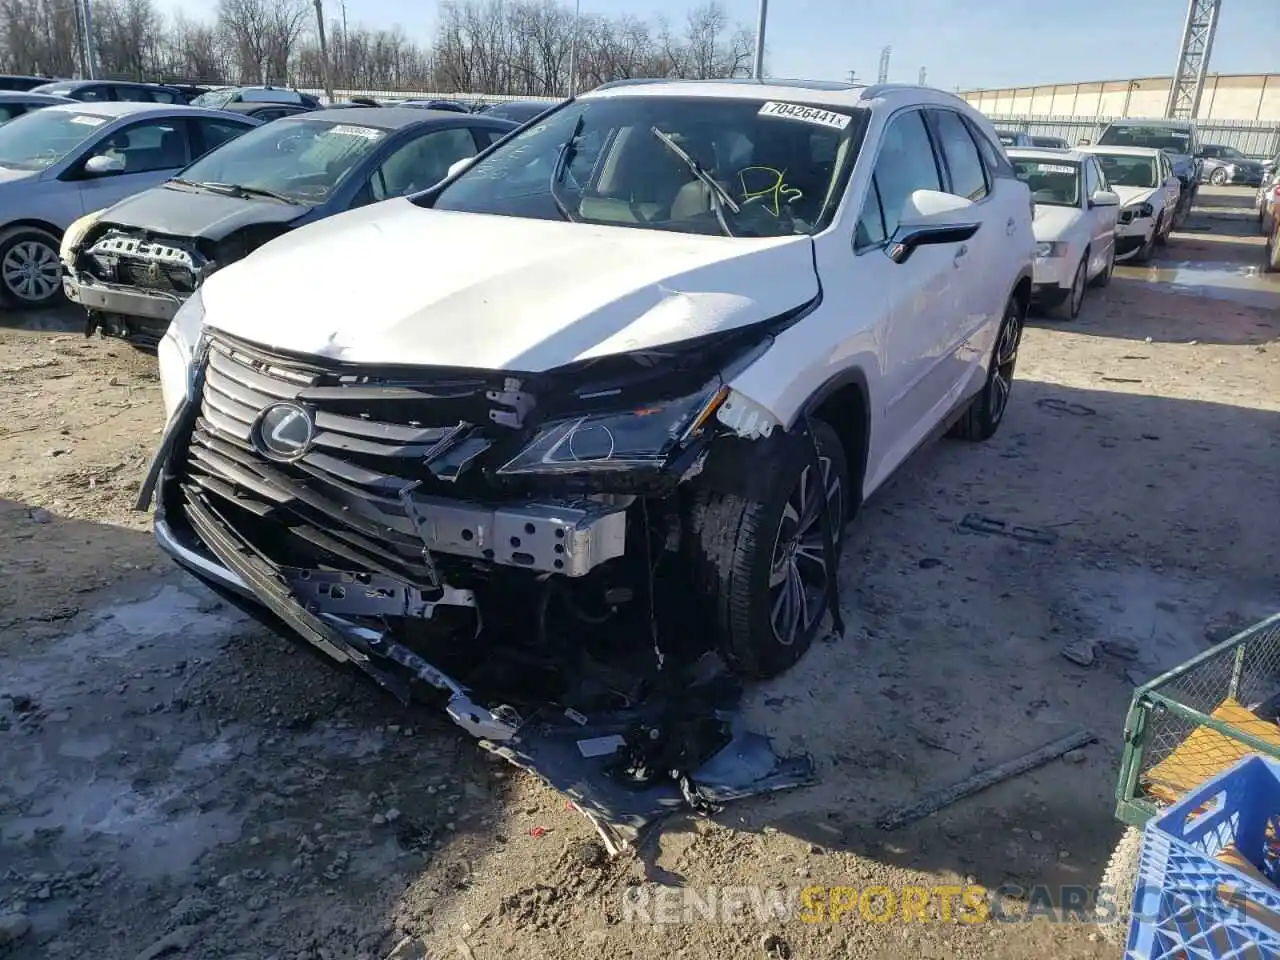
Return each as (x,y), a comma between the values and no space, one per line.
(1130,195)
(1052,222)
(181,212)
(393,283)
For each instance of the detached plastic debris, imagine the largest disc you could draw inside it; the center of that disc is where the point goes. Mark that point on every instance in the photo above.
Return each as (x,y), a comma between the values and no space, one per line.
(627,769)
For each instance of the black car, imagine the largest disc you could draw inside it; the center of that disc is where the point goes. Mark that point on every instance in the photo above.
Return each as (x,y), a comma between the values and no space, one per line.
(266,111)
(221,99)
(91,91)
(520,111)
(453,106)
(15,104)
(139,260)
(14,81)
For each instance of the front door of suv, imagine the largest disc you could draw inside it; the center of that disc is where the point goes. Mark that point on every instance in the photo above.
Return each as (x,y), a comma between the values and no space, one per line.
(924,295)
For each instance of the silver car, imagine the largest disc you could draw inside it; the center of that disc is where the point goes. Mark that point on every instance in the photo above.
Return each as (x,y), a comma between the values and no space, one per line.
(1222,165)
(59,163)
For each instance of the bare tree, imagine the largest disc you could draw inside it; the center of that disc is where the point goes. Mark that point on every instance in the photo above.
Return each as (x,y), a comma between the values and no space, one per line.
(264,34)
(497,47)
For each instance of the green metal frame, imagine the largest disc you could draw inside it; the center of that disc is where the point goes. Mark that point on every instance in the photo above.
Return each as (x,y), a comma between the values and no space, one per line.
(1133,808)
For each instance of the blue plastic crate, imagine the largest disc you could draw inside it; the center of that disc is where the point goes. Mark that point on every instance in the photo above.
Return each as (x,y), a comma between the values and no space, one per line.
(1189,906)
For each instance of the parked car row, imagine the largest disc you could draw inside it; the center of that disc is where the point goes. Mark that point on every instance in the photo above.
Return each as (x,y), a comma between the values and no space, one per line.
(132,265)
(1094,206)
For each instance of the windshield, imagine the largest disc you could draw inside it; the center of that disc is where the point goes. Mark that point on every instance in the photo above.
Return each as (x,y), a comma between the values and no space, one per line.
(41,138)
(1055,143)
(1158,138)
(214,99)
(302,159)
(724,166)
(1053,183)
(1230,153)
(1124,171)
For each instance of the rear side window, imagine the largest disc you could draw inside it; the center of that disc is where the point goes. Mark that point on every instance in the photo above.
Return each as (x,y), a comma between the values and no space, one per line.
(906,164)
(217,132)
(968,174)
(134,94)
(997,163)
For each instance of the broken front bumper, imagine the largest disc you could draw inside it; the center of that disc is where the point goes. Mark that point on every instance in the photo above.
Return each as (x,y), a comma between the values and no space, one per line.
(342,639)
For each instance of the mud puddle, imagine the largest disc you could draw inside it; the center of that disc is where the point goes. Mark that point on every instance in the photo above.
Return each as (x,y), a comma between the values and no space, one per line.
(1241,283)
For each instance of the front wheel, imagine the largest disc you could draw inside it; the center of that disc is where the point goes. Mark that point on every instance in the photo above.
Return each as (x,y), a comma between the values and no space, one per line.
(1148,243)
(1069,308)
(1120,881)
(1271,256)
(1218,177)
(762,563)
(30,271)
(1104,278)
(985,411)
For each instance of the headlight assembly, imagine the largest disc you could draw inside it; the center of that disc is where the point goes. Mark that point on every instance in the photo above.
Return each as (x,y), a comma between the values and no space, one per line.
(176,351)
(640,438)
(72,236)
(1055,248)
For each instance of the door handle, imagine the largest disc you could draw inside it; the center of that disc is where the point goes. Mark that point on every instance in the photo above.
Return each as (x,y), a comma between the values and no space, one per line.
(959,255)
(1010,227)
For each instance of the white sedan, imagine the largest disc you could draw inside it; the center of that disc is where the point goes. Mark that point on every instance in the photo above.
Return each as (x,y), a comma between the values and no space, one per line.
(1149,192)
(1075,225)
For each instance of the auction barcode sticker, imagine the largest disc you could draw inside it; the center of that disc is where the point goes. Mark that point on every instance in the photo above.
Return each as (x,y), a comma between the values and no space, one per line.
(796,111)
(88,121)
(350,130)
(1056,168)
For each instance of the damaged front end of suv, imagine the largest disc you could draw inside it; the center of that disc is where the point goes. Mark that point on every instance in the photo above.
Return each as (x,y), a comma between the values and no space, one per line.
(572,486)
(506,542)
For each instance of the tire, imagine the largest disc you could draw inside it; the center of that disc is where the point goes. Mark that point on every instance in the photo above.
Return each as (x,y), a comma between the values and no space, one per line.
(1218,177)
(739,548)
(1271,254)
(30,271)
(982,417)
(1069,307)
(1148,244)
(1121,877)
(1104,278)
(1160,237)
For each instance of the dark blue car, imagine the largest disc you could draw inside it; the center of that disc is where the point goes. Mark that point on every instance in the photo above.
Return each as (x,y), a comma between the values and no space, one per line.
(135,264)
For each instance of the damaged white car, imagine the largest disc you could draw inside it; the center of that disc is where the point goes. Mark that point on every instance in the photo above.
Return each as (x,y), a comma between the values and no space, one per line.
(621,385)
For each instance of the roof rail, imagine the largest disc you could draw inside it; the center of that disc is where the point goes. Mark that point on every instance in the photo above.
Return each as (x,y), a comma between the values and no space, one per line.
(628,82)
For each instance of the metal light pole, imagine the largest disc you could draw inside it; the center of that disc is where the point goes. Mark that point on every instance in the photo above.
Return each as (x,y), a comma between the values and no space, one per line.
(573,50)
(324,52)
(757,68)
(90,68)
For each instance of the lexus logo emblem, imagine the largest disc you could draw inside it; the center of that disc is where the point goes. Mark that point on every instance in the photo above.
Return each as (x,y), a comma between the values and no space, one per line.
(284,431)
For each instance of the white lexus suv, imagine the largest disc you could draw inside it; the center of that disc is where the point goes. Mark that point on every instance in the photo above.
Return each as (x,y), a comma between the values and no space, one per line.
(644,357)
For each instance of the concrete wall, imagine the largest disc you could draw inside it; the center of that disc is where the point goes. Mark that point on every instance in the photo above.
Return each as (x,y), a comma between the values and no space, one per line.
(1254,97)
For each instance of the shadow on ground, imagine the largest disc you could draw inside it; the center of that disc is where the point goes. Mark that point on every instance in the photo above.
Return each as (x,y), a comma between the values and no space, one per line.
(952,661)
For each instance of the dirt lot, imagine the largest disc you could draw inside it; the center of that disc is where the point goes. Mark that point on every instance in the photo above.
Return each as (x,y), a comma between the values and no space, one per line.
(178,782)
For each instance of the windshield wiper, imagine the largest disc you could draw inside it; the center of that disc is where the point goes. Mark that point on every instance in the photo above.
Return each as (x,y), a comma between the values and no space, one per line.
(719,195)
(236,190)
(566,153)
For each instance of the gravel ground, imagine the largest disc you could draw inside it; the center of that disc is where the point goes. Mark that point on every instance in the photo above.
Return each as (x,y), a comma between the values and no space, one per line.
(179,782)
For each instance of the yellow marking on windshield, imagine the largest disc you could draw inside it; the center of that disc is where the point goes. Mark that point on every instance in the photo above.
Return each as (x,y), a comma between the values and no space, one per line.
(774,191)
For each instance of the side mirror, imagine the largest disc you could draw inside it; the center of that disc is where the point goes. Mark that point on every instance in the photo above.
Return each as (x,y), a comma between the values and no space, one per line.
(1083,142)
(458,166)
(1104,198)
(102,165)
(931,217)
